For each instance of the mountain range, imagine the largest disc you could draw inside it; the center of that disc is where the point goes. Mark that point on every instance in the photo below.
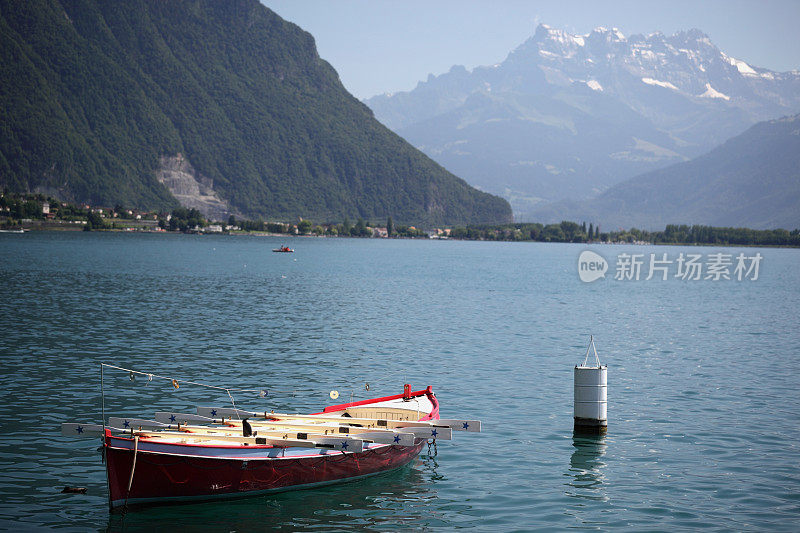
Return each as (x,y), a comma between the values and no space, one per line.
(565,117)
(751,180)
(222,106)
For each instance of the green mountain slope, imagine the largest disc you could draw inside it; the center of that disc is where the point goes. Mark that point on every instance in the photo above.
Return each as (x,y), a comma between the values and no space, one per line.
(98,97)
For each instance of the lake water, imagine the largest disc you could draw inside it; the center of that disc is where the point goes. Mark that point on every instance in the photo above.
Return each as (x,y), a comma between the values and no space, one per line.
(704,393)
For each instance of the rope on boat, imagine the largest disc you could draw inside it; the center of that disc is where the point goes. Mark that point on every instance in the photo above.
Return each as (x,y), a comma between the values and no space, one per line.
(150,376)
(366,387)
(176,384)
(234,405)
(133,468)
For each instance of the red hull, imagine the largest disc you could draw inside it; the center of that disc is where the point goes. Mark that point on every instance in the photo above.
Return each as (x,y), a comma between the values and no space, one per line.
(169,473)
(160,477)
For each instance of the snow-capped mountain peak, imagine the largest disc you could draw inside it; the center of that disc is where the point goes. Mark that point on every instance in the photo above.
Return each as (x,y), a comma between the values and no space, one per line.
(686,61)
(567,115)
(608,35)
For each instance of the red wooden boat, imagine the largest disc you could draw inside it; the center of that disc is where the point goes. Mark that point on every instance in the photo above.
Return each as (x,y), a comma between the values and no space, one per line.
(283,249)
(178,461)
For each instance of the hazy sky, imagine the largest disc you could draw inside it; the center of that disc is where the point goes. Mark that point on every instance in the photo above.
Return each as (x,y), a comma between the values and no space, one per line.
(386,46)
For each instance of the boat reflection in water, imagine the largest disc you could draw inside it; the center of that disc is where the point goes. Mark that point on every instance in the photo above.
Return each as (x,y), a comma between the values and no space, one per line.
(586,466)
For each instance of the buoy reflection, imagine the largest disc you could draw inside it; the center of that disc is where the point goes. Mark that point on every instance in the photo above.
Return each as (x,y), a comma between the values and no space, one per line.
(586,466)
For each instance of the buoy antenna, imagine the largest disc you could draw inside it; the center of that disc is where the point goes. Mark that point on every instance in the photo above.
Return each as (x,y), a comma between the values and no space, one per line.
(591,348)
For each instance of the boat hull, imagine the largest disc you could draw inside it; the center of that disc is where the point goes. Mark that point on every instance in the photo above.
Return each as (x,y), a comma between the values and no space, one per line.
(151,470)
(165,473)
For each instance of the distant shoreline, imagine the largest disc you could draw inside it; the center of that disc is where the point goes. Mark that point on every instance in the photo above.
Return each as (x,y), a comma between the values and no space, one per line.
(71,229)
(37,212)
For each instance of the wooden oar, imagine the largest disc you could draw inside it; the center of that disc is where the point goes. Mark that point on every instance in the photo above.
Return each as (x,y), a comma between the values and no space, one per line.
(453,424)
(381,436)
(460,425)
(435,431)
(339,443)
(312,434)
(168,417)
(183,436)
(77,429)
(283,440)
(133,423)
(345,442)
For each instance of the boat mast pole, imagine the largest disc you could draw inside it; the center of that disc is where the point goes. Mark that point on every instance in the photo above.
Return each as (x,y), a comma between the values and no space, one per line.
(103,399)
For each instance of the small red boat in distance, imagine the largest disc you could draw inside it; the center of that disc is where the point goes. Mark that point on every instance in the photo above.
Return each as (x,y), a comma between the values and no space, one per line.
(283,249)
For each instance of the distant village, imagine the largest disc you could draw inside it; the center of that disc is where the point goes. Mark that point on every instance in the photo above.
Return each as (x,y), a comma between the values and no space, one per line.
(26,212)
(37,212)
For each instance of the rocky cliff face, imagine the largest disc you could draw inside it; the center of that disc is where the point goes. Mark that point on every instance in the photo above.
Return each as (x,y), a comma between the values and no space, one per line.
(190,188)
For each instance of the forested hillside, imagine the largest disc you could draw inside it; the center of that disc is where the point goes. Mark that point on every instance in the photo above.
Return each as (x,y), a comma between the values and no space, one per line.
(99,99)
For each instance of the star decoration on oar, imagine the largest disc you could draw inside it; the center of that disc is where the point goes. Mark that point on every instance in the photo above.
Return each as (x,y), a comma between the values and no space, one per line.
(466,425)
(434,433)
(397,438)
(213,412)
(172,418)
(126,424)
(79,429)
(344,444)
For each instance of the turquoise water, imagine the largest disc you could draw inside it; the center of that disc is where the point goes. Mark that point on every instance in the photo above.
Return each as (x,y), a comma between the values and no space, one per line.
(703,377)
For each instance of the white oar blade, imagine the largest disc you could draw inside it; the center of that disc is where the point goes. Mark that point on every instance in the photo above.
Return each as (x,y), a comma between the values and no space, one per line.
(131,423)
(342,444)
(436,432)
(460,425)
(218,412)
(181,418)
(400,439)
(76,429)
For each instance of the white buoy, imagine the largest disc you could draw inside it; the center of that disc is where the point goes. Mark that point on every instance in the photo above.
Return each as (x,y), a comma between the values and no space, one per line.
(591,394)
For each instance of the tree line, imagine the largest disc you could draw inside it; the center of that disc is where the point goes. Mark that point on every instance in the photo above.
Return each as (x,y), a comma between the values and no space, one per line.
(567,231)
(15,207)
